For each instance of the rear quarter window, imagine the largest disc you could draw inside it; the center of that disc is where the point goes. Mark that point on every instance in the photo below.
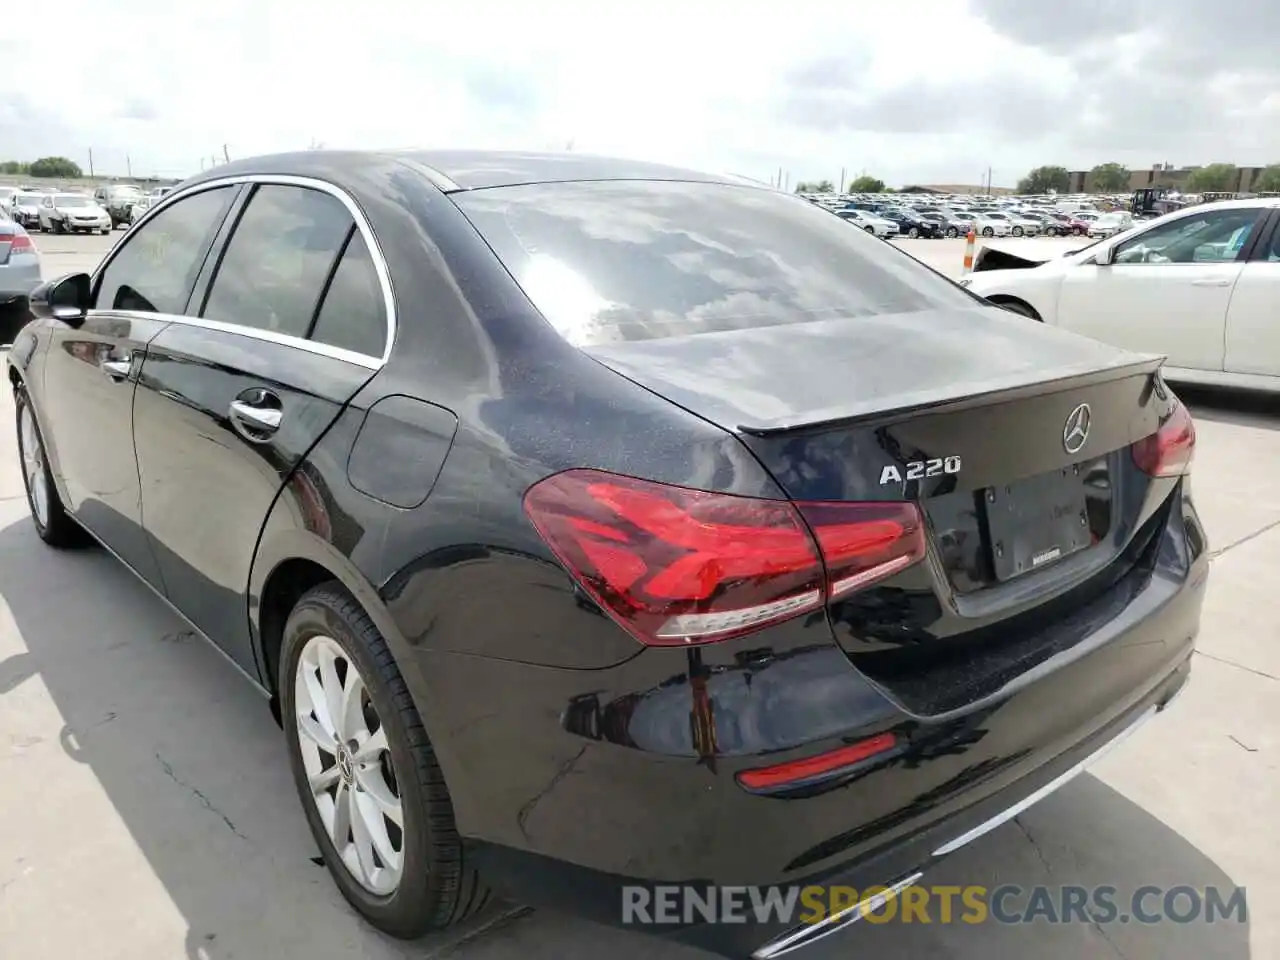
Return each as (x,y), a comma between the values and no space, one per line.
(638,260)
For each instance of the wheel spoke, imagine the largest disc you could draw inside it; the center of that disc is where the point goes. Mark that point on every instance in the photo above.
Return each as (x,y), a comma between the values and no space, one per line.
(372,748)
(325,779)
(372,821)
(317,703)
(317,734)
(351,722)
(340,829)
(331,691)
(362,838)
(375,788)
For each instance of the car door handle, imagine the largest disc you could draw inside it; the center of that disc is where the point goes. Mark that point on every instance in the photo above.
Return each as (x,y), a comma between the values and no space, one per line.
(1211,283)
(117,369)
(257,419)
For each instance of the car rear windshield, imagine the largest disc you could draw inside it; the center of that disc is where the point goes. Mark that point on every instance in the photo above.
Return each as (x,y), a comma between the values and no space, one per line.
(613,261)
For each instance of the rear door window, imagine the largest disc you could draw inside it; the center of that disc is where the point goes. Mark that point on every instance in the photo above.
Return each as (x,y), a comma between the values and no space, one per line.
(639,260)
(353,315)
(278,260)
(158,262)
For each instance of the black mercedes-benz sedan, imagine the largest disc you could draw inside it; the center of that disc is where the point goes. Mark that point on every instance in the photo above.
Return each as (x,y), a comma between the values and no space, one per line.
(594,525)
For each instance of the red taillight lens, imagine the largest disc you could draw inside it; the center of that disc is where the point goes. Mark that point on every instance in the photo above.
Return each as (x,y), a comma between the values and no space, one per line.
(20,243)
(865,542)
(1168,452)
(824,764)
(676,566)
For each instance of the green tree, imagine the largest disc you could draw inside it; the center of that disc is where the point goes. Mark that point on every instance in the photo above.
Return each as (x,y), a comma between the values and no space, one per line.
(1268,179)
(1045,179)
(865,184)
(1110,177)
(13,166)
(1215,178)
(815,186)
(55,167)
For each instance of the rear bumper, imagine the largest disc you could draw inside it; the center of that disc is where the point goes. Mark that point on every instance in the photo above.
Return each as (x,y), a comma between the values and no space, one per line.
(571,785)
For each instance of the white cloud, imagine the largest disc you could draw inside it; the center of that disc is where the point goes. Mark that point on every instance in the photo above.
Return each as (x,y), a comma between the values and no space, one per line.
(911,90)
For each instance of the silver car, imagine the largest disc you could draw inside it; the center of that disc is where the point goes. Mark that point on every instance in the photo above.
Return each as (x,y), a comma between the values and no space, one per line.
(72,213)
(26,209)
(19,275)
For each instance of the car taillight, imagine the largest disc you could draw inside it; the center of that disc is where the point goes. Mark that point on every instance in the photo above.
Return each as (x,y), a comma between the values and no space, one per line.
(1168,452)
(864,542)
(20,243)
(675,566)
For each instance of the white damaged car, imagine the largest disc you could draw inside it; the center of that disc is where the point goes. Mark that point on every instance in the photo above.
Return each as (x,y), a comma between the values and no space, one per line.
(1199,285)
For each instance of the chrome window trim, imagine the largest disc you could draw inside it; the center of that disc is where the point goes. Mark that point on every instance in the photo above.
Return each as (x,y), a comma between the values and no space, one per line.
(286,180)
(268,336)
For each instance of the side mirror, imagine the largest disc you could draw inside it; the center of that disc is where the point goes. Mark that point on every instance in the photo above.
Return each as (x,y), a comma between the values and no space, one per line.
(66,298)
(1106,256)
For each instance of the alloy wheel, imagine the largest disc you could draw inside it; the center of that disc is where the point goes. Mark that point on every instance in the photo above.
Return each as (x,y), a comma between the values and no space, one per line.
(33,471)
(348,764)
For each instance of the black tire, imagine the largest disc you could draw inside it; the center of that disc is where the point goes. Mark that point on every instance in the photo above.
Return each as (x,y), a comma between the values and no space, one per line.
(58,529)
(437,888)
(1017,231)
(913,233)
(1076,231)
(59,226)
(952,233)
(988,232)
(870,229)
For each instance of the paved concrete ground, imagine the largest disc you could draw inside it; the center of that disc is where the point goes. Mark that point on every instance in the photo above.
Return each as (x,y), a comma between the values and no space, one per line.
(147,813)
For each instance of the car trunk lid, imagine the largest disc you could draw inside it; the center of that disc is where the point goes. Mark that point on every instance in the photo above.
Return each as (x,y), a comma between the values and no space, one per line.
(1012,438)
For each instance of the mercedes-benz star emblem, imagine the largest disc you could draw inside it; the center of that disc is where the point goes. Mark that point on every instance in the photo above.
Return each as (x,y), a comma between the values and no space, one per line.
(1075,432)
(346,768)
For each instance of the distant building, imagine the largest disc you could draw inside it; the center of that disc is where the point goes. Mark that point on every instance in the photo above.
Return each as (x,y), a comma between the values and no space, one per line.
(1165,175)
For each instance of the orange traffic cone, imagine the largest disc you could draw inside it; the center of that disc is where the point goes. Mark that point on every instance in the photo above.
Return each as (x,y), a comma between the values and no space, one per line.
(969,242)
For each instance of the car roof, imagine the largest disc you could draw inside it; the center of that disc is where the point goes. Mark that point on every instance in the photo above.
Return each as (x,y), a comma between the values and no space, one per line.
(454,170)
(478,169)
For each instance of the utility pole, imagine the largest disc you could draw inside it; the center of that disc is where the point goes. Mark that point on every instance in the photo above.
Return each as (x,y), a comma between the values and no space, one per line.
(128,166)
(226,157)
(91,163)
(202,164)
(840,182)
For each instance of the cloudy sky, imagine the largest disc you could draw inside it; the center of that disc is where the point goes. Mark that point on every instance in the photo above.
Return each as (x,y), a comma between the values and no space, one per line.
(910,91)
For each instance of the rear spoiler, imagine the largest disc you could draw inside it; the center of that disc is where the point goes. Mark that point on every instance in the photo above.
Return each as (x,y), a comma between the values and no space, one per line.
(949,401)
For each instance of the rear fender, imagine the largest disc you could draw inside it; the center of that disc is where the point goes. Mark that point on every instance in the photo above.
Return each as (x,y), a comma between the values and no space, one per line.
(285,538)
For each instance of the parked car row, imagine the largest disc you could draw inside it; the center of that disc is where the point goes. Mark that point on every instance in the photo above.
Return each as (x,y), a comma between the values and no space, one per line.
(918,218)
(938,215)
(122,203)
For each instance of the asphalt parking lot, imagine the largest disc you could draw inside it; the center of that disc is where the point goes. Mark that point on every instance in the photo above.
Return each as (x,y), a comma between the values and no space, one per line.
(148,813)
